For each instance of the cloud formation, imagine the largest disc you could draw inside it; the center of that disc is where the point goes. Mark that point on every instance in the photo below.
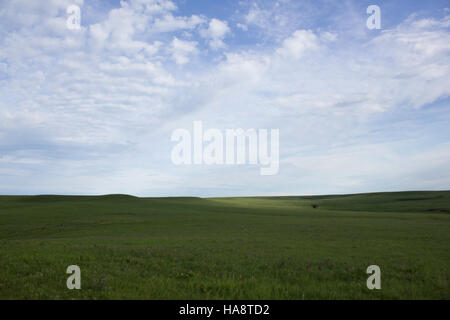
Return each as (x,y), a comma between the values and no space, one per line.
(92,110)
(216,32)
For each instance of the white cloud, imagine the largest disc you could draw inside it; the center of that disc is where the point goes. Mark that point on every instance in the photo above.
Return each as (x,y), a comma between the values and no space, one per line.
(275,20)
(296,45)
(170,23)
(216,32)
(150,7)
(181,50)
(328,36)
(242,26)
(257,16)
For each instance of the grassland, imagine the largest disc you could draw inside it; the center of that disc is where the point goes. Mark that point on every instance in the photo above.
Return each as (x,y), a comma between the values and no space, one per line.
(226,248)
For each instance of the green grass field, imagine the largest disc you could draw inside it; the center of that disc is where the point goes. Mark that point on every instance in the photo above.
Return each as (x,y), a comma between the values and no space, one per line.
(226,248)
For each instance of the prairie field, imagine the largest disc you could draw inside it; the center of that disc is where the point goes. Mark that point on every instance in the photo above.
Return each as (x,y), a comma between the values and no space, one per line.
(305,247)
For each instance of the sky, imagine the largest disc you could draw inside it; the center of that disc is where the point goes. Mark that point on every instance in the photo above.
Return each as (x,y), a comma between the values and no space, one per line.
(92,110)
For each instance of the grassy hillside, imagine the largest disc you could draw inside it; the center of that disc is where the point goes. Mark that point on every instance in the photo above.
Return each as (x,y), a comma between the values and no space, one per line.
(240,248)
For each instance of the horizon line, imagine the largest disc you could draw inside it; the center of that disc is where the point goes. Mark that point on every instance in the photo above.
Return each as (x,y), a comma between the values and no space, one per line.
(200,197)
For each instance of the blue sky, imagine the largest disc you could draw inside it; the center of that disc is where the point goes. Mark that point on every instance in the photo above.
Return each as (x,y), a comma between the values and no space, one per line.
(91,111)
